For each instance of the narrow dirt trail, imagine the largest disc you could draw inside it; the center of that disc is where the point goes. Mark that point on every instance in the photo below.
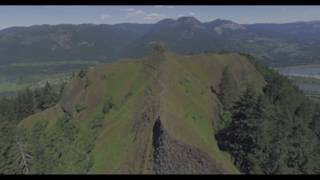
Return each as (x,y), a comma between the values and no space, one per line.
(151,108)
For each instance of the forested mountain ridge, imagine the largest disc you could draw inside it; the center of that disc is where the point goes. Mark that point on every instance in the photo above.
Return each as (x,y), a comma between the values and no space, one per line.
(276,44)
(54,52)
(43,43)
(167,113)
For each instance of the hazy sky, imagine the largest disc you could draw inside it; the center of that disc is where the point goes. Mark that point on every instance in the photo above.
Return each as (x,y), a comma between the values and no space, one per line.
(30,15)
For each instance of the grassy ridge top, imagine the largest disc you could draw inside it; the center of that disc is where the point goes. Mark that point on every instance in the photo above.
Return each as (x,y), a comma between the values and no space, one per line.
(107,113)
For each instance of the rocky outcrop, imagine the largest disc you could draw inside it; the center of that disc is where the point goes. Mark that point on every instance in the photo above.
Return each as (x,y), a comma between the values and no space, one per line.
(174,157)
(71,97)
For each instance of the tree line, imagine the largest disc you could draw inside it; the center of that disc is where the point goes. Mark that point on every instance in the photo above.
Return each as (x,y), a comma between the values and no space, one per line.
(14,157)
(273,132)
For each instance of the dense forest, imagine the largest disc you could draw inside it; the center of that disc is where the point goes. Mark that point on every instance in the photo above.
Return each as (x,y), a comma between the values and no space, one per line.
(14,157)
(272,132)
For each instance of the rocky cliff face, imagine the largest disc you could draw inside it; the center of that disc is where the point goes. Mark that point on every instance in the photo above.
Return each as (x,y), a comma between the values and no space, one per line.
(175,157)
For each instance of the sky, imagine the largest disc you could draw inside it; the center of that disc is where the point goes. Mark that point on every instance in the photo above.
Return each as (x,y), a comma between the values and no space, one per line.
(36,15)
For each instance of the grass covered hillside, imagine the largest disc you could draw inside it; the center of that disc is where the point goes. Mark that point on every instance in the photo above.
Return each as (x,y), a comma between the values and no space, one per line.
(158,114)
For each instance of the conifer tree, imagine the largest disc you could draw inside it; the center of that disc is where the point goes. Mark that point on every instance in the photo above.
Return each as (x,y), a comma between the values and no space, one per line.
(228,90)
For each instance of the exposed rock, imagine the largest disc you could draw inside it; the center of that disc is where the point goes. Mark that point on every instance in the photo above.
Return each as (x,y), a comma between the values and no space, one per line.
(174,157)
(71,97)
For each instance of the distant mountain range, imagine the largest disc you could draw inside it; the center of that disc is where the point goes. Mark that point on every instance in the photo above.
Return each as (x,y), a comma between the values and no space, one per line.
(277,44)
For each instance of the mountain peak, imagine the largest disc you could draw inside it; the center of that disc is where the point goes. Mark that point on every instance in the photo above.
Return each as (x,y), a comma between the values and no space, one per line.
(165,21)
(186,22)
(219,25)
(144,121)
(189,20)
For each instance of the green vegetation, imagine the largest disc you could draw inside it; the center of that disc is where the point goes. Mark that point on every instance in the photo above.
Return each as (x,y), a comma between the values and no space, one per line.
(107,106)
(16,77)
(228,89)
(273,133)
(14,149)
(54,63)
(244,116)
(309,85)
(11,87)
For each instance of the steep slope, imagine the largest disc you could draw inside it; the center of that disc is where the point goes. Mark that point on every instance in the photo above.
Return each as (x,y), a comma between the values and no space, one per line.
(152,115)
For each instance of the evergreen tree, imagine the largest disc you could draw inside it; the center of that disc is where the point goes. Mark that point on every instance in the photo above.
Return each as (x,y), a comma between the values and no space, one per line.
(45,97)
(277,133)
(25,104)
(15,156)
(240,137)
(228,90)
(158,52)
